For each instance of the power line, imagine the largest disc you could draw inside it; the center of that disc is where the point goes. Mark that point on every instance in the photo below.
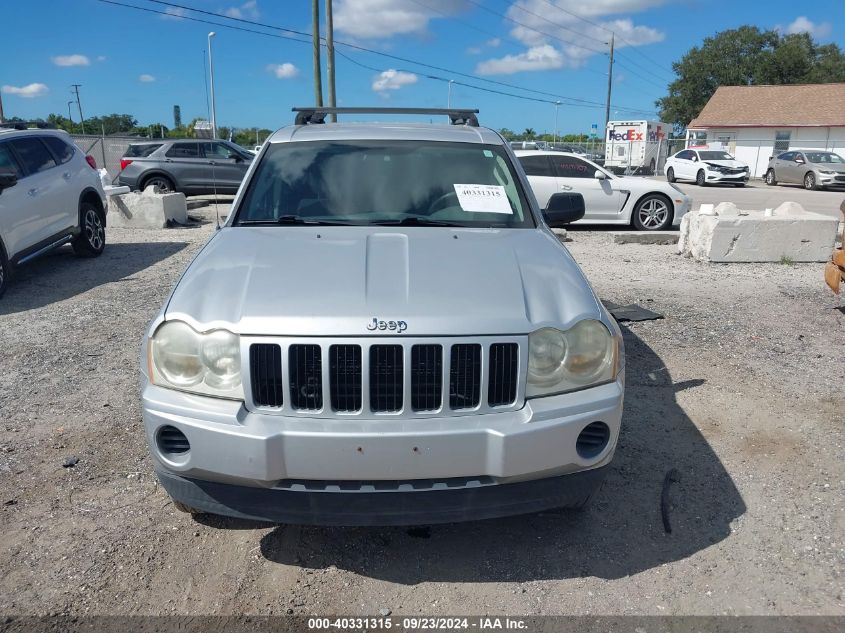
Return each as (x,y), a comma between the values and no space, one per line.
(604,28)
(560,26)
(294,32)
(486,32)
(531,28)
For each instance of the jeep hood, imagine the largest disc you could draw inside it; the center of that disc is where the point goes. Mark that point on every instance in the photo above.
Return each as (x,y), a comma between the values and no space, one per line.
(333,281)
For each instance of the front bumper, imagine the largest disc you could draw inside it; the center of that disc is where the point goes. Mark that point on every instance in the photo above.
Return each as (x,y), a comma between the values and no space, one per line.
(263,458)
(715,176)
(831,180)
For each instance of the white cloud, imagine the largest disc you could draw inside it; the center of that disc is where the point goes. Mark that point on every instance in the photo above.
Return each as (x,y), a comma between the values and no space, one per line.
(545,57)
(30,91)
(803,25)
(71,60)
(558,38)
(473,50)
(248,10)
(283,71)
(493,43)
(174,13)
(393,80)
(146,78)
(101,58)
(382,19)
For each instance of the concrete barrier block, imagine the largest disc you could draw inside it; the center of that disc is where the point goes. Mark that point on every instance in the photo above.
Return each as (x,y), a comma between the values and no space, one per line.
(733,235)
(147,210)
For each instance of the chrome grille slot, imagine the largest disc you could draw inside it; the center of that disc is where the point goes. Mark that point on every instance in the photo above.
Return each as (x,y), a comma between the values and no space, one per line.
(465,376)
(306,377)
(265,368)
(386,378)
(503,374)
(426,377)
(345,377)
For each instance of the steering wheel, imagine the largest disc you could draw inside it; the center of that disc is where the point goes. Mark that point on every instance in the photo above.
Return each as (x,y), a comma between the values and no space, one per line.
(440,202)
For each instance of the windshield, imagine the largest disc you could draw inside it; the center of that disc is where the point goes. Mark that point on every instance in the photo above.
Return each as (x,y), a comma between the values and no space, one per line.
(715,156)
(383,183)
(824,157)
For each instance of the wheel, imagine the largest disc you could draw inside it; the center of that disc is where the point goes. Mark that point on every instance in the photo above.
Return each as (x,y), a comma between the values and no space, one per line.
(184,508)
(651,167)
(810,181)
(770,178)
(5,273)
(164,184)
(699,178)
(670,175)
(92,236)
(653,213)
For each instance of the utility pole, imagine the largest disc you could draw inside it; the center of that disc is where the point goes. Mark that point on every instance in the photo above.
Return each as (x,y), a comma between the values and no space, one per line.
(76,88)
(211,76)
(70,118)
(2,118)
(330,57)
(315,36)
(609,84)
(557,104)
(449,95)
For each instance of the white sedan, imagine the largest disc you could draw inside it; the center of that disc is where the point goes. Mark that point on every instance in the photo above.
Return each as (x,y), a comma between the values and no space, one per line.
(705,166)
(650,205)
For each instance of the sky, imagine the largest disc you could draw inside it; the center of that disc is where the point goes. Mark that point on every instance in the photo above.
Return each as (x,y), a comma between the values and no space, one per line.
(537,51)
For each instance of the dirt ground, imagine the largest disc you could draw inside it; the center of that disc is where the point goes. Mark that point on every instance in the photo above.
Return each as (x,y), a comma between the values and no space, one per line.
(739,388)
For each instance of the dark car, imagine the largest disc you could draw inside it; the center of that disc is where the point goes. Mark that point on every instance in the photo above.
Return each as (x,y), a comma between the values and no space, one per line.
(195,167)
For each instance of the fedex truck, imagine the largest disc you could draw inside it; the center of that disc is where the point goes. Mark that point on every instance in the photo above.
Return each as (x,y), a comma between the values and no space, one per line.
(636,146)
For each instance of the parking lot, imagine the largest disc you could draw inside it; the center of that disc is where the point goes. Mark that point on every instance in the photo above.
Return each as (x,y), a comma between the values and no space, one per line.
(738,388)
(757,195)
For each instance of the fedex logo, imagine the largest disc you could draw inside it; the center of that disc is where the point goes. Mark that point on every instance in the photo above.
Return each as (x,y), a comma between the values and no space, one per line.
(632,134)
(628,135)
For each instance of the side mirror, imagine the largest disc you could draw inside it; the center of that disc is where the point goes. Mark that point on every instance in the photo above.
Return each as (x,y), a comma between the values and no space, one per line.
(799,160)
(600,175)
(8,178)
(564,208)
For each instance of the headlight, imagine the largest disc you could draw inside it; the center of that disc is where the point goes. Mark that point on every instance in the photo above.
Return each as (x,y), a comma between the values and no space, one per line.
(587,354)
(208,364)
(829,172)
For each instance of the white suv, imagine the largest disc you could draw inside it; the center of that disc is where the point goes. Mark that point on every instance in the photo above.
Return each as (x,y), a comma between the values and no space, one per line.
(50,194)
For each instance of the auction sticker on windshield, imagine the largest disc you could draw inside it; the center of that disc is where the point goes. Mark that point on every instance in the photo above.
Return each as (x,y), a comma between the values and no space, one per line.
(483,198)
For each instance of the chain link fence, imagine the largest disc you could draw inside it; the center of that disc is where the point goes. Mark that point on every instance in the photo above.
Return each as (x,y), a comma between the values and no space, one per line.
(106,150)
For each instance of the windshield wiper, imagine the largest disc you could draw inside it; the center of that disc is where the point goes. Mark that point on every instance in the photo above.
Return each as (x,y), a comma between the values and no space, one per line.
(292,220)
(414,221)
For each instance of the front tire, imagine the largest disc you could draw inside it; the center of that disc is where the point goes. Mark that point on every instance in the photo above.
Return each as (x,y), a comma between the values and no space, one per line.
(770,178)
(699,178)
(5,272)
(651,168)
(810,183)
(653,213)
(670,175)
(91,240)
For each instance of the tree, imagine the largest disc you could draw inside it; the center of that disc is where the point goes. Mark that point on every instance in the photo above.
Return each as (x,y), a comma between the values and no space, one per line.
(742,57)
(529,133)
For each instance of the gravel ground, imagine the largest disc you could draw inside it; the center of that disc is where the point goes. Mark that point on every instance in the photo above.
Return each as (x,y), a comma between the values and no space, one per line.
(739,388)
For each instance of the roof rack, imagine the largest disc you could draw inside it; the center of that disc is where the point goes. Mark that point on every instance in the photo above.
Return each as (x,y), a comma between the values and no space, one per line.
(27,125)
(317,114)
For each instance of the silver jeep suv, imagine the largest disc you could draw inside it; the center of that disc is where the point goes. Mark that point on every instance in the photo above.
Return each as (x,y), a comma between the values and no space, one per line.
(385,331)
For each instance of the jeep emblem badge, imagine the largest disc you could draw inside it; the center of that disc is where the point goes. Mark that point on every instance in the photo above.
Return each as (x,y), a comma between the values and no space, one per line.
(393,326)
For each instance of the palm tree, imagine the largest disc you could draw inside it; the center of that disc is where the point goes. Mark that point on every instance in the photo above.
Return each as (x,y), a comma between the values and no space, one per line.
(529,133)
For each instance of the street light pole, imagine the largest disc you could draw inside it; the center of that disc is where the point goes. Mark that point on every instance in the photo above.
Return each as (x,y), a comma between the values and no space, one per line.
(449,97)
(70,118)
(557,103)
(211,76)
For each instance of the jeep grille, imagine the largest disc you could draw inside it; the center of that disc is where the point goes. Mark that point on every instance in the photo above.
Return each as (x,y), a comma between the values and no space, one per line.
(365,376)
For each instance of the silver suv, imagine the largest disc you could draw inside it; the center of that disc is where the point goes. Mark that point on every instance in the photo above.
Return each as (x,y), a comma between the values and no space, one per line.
(192,166)
(385,331)
(50,195)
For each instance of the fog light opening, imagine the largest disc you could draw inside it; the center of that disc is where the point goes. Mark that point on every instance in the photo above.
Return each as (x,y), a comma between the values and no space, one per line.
(172,442)
(592,440)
